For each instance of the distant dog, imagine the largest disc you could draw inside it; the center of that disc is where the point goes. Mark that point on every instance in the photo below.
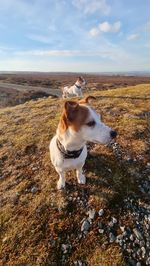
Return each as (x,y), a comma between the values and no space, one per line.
(78,124)
(75,90)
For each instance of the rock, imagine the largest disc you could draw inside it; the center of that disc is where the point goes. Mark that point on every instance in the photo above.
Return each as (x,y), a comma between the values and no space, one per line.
(137,233)
(63,259)
(147,226)
(112,238)
(66,248)
(125,234)
(132,237)
(78,263)
(85,233)
(100,225)
(148,166)
(70,198)
(129,250)
(137,241)
(101,231)
(142,243)
(143,252)
(131,262)
(110,224)
(85,226)
(148,261)
(101,212)
(5,239)
(119,240)
(122,228)
(124,246)
(91,214)
(114,220)
(34,190)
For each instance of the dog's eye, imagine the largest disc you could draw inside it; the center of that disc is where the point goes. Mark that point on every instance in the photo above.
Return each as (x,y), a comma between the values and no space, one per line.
(91,123)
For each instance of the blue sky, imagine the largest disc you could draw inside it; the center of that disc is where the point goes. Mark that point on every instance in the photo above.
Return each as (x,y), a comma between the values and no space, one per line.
(75,35)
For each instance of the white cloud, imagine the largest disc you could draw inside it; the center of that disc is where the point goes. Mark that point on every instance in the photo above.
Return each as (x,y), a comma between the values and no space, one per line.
(133,37)
(106,27)
(113,53)
(59,53)
(40,38)
(94,32)
(92,6)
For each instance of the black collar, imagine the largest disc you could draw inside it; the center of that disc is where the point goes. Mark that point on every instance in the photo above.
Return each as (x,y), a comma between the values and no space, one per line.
(78,87)
(68,154)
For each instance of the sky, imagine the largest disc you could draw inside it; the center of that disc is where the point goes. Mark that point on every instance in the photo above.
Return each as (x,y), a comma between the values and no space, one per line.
(75,35)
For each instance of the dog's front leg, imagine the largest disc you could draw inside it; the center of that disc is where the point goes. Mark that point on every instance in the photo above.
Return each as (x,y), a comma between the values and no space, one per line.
(80,177)
(61,181)
(81,94)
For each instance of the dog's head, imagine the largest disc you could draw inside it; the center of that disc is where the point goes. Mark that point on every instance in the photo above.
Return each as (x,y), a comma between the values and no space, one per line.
(81,118)
(81,81)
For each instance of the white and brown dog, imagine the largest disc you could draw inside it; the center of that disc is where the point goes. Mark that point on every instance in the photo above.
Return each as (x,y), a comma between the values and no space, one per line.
(78,124)
(75,90)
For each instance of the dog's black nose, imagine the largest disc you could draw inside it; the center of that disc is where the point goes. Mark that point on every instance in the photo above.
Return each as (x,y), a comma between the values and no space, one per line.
(113,134)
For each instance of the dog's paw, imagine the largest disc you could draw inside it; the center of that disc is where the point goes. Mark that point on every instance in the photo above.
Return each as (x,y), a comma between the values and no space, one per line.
(60,185)
(82,179)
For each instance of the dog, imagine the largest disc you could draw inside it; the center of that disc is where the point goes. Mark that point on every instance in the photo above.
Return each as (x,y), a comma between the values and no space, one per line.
(75,90)
(78,124)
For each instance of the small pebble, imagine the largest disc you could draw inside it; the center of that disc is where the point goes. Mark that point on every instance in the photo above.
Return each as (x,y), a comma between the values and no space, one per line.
(85,226)
(101,212)
(122,228)
(114,220)
(131,237)
(91,214)
(137,233)
(101,231)
(34,190)
(110,224)
(112,238)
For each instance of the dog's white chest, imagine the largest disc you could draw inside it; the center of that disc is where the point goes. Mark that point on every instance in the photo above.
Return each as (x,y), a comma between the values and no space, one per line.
(62,163)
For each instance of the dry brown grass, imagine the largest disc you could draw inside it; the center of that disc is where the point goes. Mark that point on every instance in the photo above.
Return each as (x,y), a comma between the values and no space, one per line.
(34,225)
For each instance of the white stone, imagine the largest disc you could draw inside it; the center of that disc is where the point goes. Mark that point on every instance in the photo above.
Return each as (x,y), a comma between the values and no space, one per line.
(101,212)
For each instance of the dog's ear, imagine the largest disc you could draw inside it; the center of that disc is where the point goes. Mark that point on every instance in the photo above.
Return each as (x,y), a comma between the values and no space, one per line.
(71,109)
(87,99)
(80,79)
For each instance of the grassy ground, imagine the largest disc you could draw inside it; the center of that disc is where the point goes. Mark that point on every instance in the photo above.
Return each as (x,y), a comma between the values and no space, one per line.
(36,219)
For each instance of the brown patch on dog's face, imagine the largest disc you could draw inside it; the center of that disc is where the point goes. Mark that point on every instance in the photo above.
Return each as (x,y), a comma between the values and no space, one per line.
(74,116)
(80,79)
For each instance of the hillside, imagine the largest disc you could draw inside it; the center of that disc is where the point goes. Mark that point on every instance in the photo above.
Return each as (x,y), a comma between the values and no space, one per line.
(104,222)
(19,88)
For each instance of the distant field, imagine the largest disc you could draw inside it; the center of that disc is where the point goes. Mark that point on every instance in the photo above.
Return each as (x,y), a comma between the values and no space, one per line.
(42,226)
(19,88)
